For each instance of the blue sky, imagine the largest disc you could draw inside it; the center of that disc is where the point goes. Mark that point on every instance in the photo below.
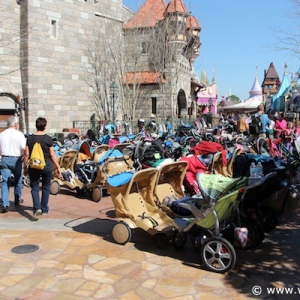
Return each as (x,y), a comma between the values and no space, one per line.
(238,39)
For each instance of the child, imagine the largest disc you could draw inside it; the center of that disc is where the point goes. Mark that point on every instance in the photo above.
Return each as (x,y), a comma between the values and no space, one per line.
(288,137)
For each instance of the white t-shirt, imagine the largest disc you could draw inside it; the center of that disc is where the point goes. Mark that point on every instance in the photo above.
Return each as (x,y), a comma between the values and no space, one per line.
(12,142)
(271,126)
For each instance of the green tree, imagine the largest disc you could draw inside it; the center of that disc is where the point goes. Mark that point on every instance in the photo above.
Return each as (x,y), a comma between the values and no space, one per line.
(235,98)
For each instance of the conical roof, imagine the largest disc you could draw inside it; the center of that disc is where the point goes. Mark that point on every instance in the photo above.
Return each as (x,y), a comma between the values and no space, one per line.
(204,77)
(192,22)
(256,88)
(271,73)
(176,6)
(148,15)
(285,83)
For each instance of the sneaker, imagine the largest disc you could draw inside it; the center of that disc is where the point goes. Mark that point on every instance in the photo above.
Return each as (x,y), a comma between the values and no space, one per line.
(37,214)
(4,209)
(19,202)
(45,212)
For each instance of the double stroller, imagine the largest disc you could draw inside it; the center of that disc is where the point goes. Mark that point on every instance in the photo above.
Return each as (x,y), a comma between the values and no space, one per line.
(77,169)
(138,205)
(83,171)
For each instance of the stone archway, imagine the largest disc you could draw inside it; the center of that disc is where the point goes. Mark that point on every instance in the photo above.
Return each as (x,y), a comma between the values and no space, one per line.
(16,110)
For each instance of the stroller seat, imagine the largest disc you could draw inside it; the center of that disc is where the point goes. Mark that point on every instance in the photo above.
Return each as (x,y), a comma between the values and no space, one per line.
(169,185)
(135,207)
(146,216)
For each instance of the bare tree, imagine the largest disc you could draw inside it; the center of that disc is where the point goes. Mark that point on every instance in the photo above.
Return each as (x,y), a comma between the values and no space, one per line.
(289,40)
(113,60)
(102,60)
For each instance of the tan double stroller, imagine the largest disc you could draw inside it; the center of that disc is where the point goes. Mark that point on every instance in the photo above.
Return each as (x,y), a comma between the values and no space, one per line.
(69,163)
(83,172)
(135,207)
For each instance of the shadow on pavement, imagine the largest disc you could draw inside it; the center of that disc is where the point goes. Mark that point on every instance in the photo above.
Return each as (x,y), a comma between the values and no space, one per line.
(275,264)
(158,244)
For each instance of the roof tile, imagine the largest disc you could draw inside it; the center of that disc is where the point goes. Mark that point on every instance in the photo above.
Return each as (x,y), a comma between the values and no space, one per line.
(148,15)
(192,22)
(176,6)
(143,78)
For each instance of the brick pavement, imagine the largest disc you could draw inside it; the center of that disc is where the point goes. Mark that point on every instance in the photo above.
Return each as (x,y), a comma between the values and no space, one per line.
(77,259)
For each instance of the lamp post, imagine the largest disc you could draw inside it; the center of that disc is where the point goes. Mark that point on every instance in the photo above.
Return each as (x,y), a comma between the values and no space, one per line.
(113,95)
(210,103)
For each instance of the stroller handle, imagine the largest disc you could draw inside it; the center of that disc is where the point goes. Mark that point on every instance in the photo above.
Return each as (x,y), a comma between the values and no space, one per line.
(262,181)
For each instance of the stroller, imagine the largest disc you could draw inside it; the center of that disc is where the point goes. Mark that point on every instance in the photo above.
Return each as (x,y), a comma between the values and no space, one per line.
(213,213)
(135,206)
(77,170)
(117,163)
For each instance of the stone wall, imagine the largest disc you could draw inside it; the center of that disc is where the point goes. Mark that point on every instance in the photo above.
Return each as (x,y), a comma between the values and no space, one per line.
(58,34)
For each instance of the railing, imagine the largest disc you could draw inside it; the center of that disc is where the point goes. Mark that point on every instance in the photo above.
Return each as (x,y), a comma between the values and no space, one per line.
(84,126)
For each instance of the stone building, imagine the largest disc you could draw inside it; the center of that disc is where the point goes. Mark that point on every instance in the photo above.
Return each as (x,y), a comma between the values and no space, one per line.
(169,38)
(44,60)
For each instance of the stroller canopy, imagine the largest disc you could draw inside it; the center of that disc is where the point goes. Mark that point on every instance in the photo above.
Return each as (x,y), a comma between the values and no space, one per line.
(215,186)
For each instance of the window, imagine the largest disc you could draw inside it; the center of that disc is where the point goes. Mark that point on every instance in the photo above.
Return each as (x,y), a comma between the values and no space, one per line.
(53,28)
(144,47)
(154,100)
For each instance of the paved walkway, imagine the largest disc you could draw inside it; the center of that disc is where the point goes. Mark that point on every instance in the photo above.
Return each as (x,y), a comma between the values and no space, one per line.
(75,258)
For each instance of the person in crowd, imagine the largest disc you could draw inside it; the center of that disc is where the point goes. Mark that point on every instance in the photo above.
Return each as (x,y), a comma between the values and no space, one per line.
(232,121)
(92,139)
(280,125)
(297,129)
(12,148)
(200,123)
(264,122)
(242,125)
(40,205)
(270,127)
(288,136)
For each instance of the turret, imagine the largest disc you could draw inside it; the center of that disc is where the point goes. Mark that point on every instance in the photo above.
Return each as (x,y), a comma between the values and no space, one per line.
(176,16)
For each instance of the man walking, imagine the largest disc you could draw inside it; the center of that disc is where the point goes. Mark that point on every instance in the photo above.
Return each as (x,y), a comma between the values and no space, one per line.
(12,147)
(258,125)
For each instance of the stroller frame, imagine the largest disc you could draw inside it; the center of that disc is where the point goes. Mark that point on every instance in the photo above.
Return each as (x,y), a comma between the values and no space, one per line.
(135,207)
(204,230)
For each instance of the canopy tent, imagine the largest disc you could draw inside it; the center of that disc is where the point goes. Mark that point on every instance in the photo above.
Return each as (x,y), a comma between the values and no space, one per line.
(248,105)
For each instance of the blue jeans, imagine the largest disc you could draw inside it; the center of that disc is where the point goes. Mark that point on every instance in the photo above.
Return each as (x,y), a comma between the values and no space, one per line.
(11,165)
(35,177)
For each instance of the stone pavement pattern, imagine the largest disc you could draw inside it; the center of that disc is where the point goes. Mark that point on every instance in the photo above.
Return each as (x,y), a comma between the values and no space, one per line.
(77,259)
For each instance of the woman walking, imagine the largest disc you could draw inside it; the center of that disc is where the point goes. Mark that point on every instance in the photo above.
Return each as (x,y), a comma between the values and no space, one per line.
(40,205)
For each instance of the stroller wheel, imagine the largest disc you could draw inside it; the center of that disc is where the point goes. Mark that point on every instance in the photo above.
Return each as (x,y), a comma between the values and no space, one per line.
(54,187)
(121,233)
(256,233)
(26,180)
(97,194)
(179,239)
(269,218)
(218,254)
